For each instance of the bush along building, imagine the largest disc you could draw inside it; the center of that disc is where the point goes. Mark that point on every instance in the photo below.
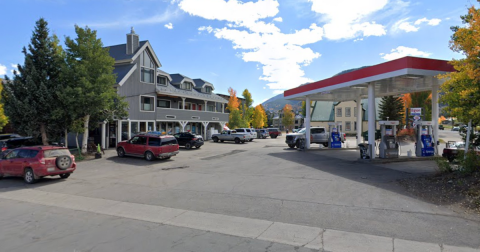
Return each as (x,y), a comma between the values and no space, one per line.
(158,101)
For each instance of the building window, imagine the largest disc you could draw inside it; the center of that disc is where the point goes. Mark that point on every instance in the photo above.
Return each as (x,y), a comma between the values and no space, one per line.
(355,111)
(148,68)
(339,112)
(146,103)
(186,85)
(355,126)
(348,113)
(339,126)
(163,104)
(208,90)
(161,80)
(188,105)
(200,107)
(211,108)
(348,126)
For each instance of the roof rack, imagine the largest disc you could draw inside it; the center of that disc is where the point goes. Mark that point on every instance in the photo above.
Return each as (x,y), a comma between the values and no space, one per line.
(155,133)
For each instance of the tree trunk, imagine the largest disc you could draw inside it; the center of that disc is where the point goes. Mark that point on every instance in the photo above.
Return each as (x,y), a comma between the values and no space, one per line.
(76,139)
(43,132)
(86,120)
(66,138)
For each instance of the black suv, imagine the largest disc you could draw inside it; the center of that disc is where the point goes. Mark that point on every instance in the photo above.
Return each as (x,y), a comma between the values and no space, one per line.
(189,140)
(12,141)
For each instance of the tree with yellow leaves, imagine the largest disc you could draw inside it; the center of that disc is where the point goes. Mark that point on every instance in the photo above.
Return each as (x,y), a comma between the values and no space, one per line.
(3,117)
(258,117)
(288,116)
(462,88)
(235,117)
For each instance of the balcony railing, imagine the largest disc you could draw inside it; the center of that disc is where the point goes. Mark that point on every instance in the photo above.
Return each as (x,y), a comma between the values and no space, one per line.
(189,115)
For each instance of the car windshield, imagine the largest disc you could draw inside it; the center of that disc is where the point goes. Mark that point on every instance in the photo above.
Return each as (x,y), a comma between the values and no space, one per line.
(56,153)
(302,130)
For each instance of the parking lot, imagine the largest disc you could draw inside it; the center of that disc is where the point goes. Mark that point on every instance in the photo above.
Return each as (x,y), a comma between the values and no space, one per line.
(257,196)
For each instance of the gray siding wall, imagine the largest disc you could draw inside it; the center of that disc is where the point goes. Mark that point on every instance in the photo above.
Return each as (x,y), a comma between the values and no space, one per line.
(186,115)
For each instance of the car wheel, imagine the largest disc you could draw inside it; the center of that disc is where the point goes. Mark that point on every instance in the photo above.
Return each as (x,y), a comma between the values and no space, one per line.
(188,146)
(65,175)
(251,139)
(325,144)
(198,147)
(29,176)
(291,146)
(243,141)
(215,139)
(221,141)
(237,140)
(63,162)
(149,156)
(120,152)
(274,137)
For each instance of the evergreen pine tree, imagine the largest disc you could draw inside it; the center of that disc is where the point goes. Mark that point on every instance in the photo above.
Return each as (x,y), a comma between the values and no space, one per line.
(31,97)
(392,108)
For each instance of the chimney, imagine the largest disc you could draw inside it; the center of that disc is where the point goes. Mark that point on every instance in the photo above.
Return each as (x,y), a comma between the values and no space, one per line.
(132,42)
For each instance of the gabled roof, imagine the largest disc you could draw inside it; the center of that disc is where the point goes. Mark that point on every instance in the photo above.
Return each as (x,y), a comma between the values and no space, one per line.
(323,111)
(163,73)
(177,79)
(119,52)
(123,71)
(199,83)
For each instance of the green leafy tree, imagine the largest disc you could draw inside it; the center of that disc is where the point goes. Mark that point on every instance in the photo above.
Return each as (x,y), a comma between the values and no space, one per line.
(91,78)
(422,100)
(288,118)
(31,97)
(391,108)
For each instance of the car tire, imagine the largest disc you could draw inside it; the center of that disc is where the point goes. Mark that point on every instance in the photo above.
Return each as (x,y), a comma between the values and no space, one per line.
(63,162)
(167,158)
(29,176)
(251,139)
(237,140)
(274,136)
(325,144)
(222,141)
(149,156)
(198,147)
(120,152)
(292,146)
(188,146)
(65,175)
(215,139)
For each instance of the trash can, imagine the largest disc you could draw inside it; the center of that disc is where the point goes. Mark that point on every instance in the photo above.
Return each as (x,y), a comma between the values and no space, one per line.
(364,152)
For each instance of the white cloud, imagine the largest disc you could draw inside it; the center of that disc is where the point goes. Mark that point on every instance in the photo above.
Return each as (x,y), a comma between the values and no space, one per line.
(407,27)
(3,70)
(432,22)
(278,19)
(278,92)
(14,67)
(129,20)
(169,26)
(281,56)
(350,22)
(403,51)
(209,29)
(359,39)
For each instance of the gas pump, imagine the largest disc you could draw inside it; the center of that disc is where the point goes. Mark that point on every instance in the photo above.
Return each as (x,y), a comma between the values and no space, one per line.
(388,146)
(334,139)
(424,140)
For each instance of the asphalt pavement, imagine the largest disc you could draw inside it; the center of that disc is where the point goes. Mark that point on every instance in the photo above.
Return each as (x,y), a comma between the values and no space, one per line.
(257,196)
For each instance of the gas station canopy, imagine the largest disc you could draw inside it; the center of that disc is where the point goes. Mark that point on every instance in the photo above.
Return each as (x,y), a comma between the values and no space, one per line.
(401,76)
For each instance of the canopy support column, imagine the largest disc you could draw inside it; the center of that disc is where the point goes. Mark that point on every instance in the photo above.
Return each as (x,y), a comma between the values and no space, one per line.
(371,119)
(435,115)
(307,123)
(359,120)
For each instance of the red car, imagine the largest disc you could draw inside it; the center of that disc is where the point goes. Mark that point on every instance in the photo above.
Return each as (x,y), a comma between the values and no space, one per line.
(149,146)
(35,162)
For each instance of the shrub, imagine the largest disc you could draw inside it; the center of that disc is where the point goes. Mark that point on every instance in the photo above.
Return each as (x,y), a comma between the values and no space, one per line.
(406,132)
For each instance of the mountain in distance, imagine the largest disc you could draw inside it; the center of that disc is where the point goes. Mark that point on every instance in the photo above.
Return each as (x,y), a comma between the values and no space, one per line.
(278,102)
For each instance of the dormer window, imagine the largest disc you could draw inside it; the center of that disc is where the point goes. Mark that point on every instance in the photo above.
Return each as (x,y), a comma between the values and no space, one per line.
(161,80)
(186,85)
(208,90)
(148,68)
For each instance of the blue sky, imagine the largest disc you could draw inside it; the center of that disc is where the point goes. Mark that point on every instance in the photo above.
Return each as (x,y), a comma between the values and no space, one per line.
(267,46)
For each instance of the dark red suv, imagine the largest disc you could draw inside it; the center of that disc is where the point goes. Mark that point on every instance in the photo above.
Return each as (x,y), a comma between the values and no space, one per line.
(35,162)
(149,146)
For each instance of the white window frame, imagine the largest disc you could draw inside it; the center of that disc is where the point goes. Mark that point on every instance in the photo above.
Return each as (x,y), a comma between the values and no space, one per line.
(189,87)
(340,126)
(348,126)
(140,103)
(355,111)
(165,78)
(337,114)
(153,69)
(349,110)
(212,106)
(163,100)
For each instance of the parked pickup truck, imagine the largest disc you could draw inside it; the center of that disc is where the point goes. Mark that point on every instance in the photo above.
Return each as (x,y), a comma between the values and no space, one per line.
(318,135)
(231,135)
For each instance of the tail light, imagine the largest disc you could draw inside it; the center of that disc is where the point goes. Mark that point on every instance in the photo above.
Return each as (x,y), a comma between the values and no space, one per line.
(311,138)
(194,139)
(42,161)
(243,137)
(344,136)
(4,148)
